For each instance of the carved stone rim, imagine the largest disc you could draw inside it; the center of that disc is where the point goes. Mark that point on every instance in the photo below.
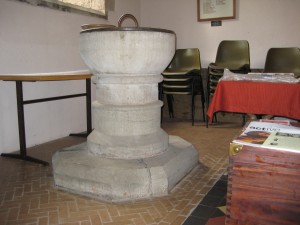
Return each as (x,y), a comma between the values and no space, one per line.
(127,29)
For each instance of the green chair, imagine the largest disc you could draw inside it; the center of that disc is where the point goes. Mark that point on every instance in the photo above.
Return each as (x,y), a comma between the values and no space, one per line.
(183,77)
(283,60)
(233,55)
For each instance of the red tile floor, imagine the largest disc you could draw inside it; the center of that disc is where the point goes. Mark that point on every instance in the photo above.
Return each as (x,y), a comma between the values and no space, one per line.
(28,194)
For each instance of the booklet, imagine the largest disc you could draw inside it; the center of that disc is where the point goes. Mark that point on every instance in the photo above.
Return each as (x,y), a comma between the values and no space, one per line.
(275,135)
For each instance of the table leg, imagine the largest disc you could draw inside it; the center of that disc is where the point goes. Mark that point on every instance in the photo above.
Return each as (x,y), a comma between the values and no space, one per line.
(88,111)
(21,121)
(88,106)
(22,135)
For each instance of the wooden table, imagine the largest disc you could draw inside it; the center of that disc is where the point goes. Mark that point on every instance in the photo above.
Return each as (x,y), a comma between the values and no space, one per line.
(278,99)
(61,76)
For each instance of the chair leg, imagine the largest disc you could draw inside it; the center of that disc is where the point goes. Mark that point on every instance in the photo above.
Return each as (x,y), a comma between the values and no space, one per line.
(207,105)
(207,119)
(208,91)
(161,98)
(244,119)
(203,107)
(193,110)
(160,92)
(203,98)
(215,118)
(207,95)
(170,105)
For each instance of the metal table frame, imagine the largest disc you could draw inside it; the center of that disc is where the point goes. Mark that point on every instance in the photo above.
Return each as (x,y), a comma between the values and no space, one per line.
(19,79)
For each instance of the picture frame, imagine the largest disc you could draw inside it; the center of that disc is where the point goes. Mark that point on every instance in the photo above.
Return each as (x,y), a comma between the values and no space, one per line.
(209,10)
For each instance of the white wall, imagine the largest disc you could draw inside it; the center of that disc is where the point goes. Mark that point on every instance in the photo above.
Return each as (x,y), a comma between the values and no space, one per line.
(36,39)
(264,23)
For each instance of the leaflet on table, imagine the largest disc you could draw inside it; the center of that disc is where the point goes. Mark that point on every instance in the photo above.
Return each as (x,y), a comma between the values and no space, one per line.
(271,135)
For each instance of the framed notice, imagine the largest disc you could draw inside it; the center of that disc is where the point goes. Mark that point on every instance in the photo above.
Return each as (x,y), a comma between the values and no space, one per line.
(216,9)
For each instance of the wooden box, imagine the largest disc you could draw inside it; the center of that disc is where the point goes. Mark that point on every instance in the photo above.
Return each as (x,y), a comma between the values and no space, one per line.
(263,186)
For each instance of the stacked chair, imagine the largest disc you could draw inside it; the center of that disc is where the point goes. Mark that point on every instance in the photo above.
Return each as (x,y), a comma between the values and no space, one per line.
(183,77)
(233,55)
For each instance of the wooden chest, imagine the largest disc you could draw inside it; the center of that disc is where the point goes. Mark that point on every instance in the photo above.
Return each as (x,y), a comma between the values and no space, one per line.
(263,186)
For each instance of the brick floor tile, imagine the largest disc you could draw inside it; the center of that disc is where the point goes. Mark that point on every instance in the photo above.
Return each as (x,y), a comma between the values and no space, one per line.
(187,209)
(104,215)
(34,203)
(95,220)
(163,223)
(126,217)
(33,215)
(8,195)
(88,223)
(44,199)
(147,218)
(179,220)
(138,221)
(196,199)
(29,195)
(182,204)
(3,217)
(63,212)
(13,214)
(24,208)
(75,218)
(125,222)
(43,221)
(53,218)
(170,217)
(166,203)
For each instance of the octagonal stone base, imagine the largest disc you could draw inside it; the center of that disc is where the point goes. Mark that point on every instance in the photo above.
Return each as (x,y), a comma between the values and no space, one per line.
(119,180)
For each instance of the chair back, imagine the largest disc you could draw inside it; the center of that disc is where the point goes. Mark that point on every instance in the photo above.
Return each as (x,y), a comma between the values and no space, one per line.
(183,77)
(181,73)
(185,60)
(283,60)
(233,54)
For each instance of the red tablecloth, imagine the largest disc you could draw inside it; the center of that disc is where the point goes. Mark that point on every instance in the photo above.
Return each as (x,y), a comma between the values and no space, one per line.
(278,99)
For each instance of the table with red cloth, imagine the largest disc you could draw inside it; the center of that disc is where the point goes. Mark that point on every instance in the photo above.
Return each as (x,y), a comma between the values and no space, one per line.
(267,98)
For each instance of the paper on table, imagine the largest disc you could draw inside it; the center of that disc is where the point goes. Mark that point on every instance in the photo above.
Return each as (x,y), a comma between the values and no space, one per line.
(283,141)
(270,135)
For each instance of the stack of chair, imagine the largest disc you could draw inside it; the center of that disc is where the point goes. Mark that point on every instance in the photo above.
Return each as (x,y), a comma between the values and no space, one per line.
(231,54)
(183,77)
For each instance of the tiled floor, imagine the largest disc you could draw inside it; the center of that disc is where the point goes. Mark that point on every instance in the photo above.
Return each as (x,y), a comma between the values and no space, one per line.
(212,208)
(28,195)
